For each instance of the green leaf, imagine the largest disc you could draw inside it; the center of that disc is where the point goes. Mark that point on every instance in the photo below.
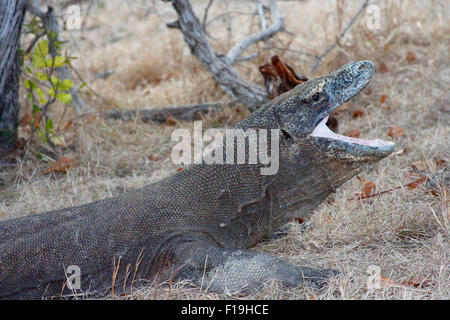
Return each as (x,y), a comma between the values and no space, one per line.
(66,84)
(41,95)
(51,92)
(64,97)
(38,62)
(41,135)
(29,84)
(41,76)
(49,125)
(56,62)
(36,109)
(39,54)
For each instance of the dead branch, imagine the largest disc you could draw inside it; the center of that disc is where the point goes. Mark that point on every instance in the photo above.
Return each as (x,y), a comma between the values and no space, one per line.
(162,114)
(266,33)
(219,66)
(52,29)
(334,44)
(205,15)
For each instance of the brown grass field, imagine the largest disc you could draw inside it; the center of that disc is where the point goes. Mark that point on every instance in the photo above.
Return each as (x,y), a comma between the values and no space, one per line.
(404,231)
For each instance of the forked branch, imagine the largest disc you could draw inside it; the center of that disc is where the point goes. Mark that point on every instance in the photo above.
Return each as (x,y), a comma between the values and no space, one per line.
(219,66)
(265,33)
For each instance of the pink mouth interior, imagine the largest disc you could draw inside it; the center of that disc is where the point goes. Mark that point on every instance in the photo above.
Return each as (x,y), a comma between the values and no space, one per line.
(323,131)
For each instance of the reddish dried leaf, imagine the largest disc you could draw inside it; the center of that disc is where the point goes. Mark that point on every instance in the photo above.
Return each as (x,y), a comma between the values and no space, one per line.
(418,282)
(354,133)
(25,120)
(383,99)
(279,77)
(385,281)
(410,57)
(416,183)
(440,162)
(179,169)
(153,158)
(62,165)
(170,121)
(383,67)
(358,113)
(368,187)
(395,132)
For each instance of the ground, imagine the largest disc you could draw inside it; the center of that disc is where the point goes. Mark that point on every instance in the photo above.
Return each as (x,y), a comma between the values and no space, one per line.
(402,234)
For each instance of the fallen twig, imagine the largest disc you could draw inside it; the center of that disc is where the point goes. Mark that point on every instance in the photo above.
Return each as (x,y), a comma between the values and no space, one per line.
(411,185)
(186,113)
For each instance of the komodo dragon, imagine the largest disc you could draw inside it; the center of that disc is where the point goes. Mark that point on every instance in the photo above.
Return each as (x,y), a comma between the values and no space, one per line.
(199,223)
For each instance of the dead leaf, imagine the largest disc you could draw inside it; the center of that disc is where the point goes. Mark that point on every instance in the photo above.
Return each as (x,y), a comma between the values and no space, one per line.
(354,133)
(410,57)
(368,187)
(179,169)
(383,99)
(440,162)
(395,132)
(385,281)
(279,77)
(170,121)
(416,183)
(25,120)
(300,220)
(417,282)
(62,165)
(153,158)
(357,113)
(383,67)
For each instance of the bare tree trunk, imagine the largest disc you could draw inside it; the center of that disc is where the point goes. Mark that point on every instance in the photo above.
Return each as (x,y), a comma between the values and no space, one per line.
(12,13)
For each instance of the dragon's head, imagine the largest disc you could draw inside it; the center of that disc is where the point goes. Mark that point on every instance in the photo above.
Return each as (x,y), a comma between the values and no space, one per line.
(303,112)
(313,160)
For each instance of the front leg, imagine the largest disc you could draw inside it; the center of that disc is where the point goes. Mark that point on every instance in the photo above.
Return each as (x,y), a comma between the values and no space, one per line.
(235,270)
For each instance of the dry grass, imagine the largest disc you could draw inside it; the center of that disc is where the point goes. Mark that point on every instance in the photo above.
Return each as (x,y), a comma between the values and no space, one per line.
(405,232)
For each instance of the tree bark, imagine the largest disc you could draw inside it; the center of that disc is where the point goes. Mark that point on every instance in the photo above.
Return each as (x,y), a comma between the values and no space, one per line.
(12,13)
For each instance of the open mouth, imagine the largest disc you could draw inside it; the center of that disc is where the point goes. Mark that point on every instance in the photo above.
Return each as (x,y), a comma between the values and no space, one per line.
(321,130)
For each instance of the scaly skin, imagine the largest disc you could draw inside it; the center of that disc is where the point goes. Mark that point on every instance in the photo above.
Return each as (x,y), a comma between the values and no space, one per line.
(199,223)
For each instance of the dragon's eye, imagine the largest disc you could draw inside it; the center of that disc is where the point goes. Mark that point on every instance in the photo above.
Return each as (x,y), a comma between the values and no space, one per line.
(316,97)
